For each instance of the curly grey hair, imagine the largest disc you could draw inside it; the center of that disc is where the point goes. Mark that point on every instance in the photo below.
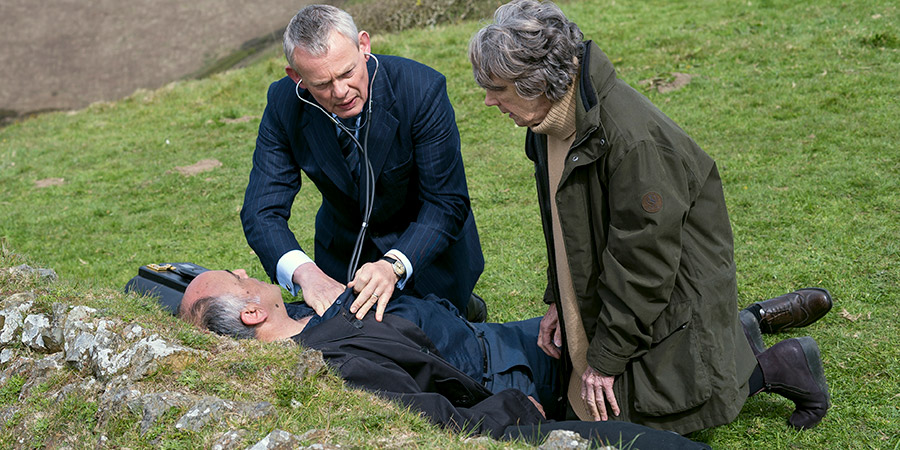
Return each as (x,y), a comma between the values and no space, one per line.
(311,28)
(532,44)
(221,315)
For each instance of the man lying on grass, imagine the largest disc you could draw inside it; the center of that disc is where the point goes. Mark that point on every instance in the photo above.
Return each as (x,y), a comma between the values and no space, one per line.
(484,378)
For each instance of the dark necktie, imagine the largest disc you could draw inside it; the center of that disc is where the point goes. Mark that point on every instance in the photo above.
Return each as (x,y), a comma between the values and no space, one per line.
(351,154)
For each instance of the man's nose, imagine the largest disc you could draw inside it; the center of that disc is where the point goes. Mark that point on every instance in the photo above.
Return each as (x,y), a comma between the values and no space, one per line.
(241,273)
(340,89)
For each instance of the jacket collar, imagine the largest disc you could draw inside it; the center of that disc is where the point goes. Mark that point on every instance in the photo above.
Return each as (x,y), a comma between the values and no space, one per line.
(597,78)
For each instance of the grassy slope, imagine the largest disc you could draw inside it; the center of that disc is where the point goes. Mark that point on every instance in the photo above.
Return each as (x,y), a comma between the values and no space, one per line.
(796,101)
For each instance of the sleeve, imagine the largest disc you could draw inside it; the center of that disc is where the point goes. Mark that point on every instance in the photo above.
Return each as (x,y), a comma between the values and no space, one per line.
(287,264)
(443,192)
(649,200)
(274,182)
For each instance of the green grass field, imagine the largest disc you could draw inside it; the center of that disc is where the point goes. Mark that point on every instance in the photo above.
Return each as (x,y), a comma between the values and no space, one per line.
(797,101)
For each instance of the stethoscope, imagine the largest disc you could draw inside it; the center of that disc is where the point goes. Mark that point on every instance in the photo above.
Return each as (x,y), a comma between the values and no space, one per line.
(370,175)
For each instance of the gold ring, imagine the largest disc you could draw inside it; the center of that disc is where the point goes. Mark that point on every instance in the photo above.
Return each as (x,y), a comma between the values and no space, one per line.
(375,295)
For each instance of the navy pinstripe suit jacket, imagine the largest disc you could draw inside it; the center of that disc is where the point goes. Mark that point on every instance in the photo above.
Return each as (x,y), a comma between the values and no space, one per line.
(421,200)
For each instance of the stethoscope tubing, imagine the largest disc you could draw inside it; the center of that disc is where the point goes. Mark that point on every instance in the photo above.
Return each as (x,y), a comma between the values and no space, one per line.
(369,179)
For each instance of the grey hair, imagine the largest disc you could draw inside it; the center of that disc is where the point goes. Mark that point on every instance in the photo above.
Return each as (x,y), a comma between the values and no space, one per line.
(311,28)
(531,44)
(221,315)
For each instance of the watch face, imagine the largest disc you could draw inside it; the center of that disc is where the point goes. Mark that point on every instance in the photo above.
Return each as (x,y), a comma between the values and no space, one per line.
(399,269)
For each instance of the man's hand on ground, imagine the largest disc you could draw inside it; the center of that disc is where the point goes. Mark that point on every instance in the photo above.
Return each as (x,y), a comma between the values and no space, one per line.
(374,282)
(319,290)
(549,334)
(538,406)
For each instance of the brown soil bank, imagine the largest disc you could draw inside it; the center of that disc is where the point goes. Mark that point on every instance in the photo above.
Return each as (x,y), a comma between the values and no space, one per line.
(64,54)
(59,55)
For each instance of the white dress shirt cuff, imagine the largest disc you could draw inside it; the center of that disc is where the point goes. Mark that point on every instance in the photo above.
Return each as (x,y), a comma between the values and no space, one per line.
(287,264)
(403,259)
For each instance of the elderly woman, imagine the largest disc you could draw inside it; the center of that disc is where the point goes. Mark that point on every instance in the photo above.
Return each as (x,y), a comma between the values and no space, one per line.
(642,290)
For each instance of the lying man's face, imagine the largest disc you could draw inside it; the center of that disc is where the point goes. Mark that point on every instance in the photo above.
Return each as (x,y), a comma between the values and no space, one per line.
(216,283)
(232,304)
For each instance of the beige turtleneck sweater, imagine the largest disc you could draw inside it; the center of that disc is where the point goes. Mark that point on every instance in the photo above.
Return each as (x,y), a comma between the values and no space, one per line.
(559,126)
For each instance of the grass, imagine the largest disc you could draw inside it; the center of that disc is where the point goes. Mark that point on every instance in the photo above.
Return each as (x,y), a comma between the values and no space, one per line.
(797,102)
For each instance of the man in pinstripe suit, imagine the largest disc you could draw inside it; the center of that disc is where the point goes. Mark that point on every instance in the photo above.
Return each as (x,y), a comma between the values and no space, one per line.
(421,235)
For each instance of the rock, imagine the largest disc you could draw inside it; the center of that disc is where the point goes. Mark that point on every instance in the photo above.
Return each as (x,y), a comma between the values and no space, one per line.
(33,328)
(207,410)
(230,440)
(118,395)
(42,371)
(257,411)
(133,332)
(12,317)
(277,440)
(78,337)
(53,337)
(152,406)
(87,388)
(105,362)
(25,271)
(20,298)
(564,439)
(5,356)
(20,366)
(78,351)
(310,364)
(145,355)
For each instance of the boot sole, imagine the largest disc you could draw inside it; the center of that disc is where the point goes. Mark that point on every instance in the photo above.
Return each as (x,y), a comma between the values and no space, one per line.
(754,334)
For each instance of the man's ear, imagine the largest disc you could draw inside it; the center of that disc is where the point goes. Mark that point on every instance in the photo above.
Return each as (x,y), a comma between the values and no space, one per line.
(294,76)
(365,44)
(253,314)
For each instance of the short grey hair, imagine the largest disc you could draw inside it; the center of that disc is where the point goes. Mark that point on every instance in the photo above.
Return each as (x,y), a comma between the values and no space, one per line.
(221,315)
(531,44)
(311,28)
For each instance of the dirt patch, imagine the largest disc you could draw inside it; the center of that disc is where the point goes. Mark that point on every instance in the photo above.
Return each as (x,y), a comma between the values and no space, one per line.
(66,55)
(668,82)
(204,165)
(47,182)
(240,119)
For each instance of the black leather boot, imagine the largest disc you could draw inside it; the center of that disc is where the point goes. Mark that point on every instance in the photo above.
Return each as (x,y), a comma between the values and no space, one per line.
(477,309)
(793,369)
(797,309)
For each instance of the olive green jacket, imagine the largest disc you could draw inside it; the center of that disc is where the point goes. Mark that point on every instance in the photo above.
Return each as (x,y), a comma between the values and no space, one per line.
(651,254)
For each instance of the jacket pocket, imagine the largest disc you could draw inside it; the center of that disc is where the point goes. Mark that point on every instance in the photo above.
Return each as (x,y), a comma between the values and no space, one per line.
(671,377)
(397,176)
(391,192)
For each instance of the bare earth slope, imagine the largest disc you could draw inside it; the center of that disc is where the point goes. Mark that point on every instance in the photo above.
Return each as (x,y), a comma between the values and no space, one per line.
(66,54)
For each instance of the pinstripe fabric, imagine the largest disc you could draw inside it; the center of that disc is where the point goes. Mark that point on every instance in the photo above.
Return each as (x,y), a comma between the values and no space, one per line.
(421,198)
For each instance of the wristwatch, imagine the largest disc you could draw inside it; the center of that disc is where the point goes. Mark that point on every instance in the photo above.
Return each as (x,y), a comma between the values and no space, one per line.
(397,265)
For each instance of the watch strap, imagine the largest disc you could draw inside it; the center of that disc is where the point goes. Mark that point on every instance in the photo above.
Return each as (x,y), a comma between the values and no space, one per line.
(396,265)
